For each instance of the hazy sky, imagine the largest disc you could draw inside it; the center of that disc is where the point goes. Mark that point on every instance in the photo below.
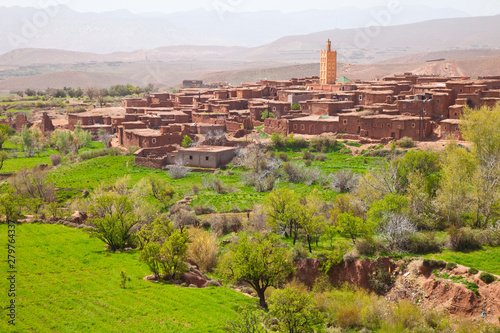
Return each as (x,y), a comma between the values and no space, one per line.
(476,7)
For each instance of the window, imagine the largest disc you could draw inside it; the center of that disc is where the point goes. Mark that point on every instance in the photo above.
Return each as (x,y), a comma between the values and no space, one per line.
(360,97)
(324,128)
(190,157)
(413,125)
(206,158)
(295,126)
(153,140)
(438,101)
(345,121)
(303,127)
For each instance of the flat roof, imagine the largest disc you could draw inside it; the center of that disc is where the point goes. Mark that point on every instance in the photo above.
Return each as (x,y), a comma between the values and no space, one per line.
(212,149)
(317,118)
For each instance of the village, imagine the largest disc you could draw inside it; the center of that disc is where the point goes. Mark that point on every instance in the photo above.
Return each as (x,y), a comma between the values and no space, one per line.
(423,108)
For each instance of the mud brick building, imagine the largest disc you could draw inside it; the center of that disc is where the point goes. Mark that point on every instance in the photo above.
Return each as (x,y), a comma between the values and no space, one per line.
(206,156)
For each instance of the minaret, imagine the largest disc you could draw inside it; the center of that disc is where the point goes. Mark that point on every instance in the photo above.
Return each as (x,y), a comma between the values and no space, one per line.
(328,74)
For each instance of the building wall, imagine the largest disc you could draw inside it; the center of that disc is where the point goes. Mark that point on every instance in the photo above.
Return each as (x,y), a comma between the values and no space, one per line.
(308,127)
(279,126)
(205,158)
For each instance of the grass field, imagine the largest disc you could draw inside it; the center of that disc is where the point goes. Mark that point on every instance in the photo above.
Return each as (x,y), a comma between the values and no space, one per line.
(68,282)
(487,259)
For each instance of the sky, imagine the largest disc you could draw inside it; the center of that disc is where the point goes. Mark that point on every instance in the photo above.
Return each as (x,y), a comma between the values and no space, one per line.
(474,8)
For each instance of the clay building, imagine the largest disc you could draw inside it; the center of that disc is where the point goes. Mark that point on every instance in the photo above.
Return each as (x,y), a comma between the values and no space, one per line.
(314,125)
(450,128)
(206,156)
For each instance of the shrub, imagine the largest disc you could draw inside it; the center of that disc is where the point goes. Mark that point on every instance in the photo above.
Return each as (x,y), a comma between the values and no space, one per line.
(203,249)
(300,143)
(323,143)
(131,150)
(406,142)
(434,264)
(283,157)
(277,140)
(487,277)
(461,239)
(195,190)
(202,209)
(451,265)
(343,181)
(55,159)
(178,170)
(321,157)
(308,155)
(307,162)
(473,271)
(89,154)
(224,224)
(214,183)
(368,246)
(184,217)
(421,242)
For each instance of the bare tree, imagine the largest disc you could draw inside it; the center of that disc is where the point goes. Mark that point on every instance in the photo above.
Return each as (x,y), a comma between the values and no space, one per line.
(397,230)
(344,181)
(178,169)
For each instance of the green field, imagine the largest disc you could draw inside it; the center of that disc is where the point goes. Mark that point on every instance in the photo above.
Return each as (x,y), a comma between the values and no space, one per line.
(487,259)
(68,282)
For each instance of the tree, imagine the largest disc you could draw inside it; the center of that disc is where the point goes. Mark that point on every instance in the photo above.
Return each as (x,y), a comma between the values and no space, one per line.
(310,217)
(5,132)
(104,136)
(267,114)
(160,190)
(259,261)
(81,138)
(3,156)
(11,205)
(113,220)
(481,128)
(187,141)
(281,207)
(352,225)
(32,184)
(295,310)
(164,248)
(390,204)
(27,141)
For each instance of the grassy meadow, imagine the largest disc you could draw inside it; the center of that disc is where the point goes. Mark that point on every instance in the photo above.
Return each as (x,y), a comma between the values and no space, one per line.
(68,282)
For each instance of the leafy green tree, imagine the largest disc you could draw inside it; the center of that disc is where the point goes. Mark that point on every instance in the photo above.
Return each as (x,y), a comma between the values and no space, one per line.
(11,205)
(310,218)
(165,248)
(281,208)
(295,310)
(5,133)
(27,141)
(249,321)
(390,204)
(259,261)
(353,226)
(3,156)
(481,128)
(81,138)
(454,195)
(425,163)
(296,107)
(187,141)
(267,114)
(113,221)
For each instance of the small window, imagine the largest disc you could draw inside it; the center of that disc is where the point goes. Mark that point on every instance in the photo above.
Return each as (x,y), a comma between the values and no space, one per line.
(295,126)
(345,121)
(206,158)
(303,127)
(438,101)
(153,141)
(360,97)
(190,157)
(413,125)
(324,128)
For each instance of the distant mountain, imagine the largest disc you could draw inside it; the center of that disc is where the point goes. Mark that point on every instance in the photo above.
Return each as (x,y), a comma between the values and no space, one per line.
(122,31)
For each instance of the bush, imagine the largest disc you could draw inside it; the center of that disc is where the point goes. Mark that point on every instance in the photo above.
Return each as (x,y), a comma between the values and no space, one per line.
(183,217)
(277,140)
(55,159)
(283,157)
(90,154)
(178,170)
(308,155)
(195,190)
(473,271)
(368,246)
(434,264)
(224,224)
(307,163)
(343,181)
(406,142)
(320,157)
(462,239)
(451,265)
(214,183)
(487,277)
(203,209)
(421,242)
(203,249)
(323,143)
